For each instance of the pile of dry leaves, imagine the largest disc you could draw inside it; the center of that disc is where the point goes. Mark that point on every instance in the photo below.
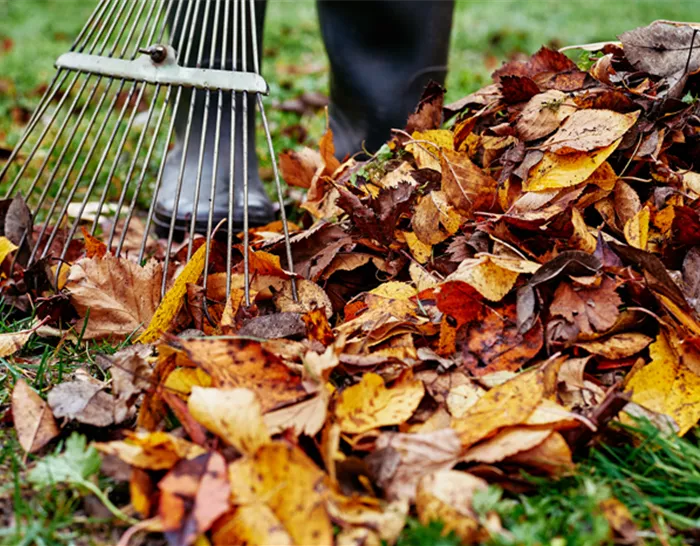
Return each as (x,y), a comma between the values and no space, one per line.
(473,301)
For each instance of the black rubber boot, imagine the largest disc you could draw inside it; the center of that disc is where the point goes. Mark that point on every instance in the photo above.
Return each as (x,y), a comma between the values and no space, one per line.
(382,54)
(260,210)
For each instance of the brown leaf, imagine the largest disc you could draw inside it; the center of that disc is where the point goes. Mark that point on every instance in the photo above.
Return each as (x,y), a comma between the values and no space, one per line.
(587,130)
(467,187)
(399,460)
(121,296)
(298,167)
(543,115)
(428,114)
(83,400)
(591,309)
(11,342)
(617,346)
(236,363)
(33,420)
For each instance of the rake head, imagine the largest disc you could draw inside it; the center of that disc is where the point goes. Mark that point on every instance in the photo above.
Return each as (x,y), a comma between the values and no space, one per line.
(95,147)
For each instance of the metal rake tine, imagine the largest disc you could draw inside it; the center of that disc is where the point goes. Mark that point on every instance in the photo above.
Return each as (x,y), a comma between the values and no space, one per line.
(215,159)
(188,131)
(120,148)
(273,159)
(82,143)
(178,96)
(95,141)
(244,113)
(232,156)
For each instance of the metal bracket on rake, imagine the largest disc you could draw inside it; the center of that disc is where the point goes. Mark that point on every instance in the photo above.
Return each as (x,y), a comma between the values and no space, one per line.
(164,72)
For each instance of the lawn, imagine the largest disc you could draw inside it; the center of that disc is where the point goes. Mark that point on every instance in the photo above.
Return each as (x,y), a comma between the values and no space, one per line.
(657,478)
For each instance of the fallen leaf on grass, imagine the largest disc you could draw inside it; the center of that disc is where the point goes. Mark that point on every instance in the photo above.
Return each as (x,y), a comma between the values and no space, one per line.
(667,386)
(119,296)
(553,455)
(151,450)
(370,404)
(399,459)
(11,342)
(34,422)
(446,496)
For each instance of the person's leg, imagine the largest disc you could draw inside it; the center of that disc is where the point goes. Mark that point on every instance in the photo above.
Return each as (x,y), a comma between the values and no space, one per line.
(382,55)
(260,208)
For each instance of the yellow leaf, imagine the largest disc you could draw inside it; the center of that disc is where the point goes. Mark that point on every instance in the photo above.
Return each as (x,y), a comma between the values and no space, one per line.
(11,342)
(174,298)
(619,518)
(427,154)
(667,386)
(369,404)
(562,171)
(489,279)
(140,491)
(234,415)
(503,406)
(6,247)
(421,252)
(181,380)
(294,489)
(254,524)
(463,397)
(506,443)
(446,496)
(581,237)
(151,450)
(617,346)
(588,129)
(637,229)
(685,318)
(553,455)
(395,290)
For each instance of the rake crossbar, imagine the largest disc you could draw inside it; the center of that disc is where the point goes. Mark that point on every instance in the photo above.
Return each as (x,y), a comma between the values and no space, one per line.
(167,72)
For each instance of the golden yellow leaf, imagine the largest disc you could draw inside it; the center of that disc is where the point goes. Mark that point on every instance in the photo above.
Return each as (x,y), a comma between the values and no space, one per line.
(637,229)
(174,298)
(463,397)
(11,342)
(503,406)
(254,524)
(140,490)
(489,279)
(581,237)
(394,290)
(234,415)
(421,278)
(427,152)
(619,518)
(369,404)
(667,386)
(507,443)
(553,455)
(34,422)
(151,450)
(421,252)
(387,519)
(291,485)
(617,346)
(685,318)
(446,496)
(181,380)
(6,247)
(562,171)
